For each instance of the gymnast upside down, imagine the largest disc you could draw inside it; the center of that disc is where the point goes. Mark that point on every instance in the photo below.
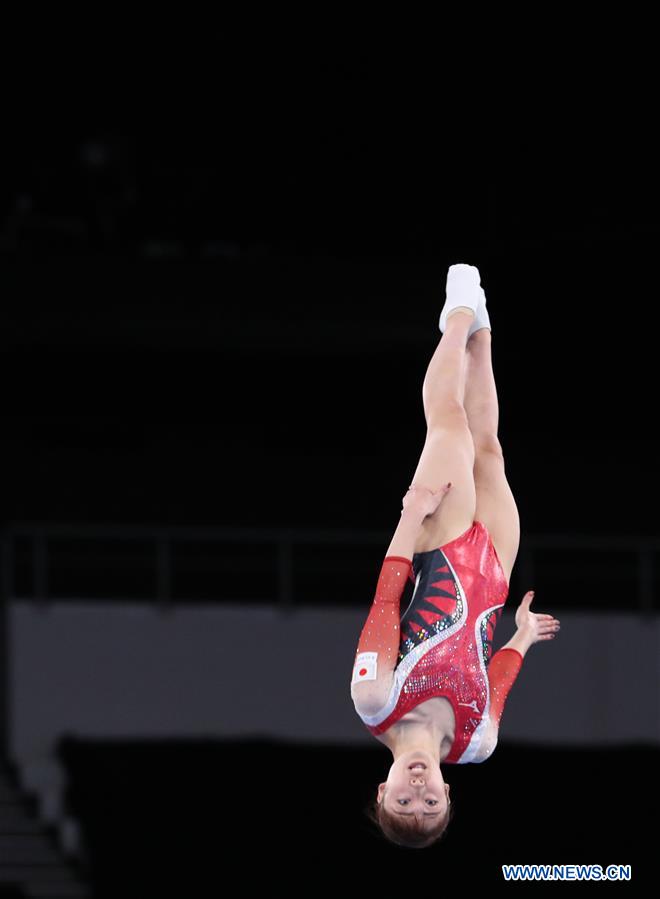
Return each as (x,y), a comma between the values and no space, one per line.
(425,682)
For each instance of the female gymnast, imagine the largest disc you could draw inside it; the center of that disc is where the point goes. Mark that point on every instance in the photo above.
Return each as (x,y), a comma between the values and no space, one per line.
(425,683)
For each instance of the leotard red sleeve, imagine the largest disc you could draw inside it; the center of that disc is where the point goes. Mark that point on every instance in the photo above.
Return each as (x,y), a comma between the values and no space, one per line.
(381,632)
(502,673)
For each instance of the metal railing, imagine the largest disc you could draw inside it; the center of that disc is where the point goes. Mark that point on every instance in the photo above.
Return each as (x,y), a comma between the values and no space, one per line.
(285,541)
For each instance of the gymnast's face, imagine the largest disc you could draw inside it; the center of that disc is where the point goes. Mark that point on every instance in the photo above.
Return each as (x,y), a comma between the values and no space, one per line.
(415,789)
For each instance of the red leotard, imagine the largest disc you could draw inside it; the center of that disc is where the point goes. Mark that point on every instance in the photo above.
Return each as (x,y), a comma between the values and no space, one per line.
(444,644)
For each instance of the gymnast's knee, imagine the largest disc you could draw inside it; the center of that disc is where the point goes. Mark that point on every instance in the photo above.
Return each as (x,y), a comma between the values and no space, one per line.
(487,442)
(450,416)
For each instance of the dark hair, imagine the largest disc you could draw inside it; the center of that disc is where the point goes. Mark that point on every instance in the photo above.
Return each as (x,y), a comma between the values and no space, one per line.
(405,830)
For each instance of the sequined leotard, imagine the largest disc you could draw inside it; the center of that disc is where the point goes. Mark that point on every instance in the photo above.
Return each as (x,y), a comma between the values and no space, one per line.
(442,644)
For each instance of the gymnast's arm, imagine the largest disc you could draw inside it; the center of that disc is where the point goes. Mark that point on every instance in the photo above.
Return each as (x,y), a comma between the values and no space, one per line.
(503,671)
(378,646)
(505,666)
(407,532)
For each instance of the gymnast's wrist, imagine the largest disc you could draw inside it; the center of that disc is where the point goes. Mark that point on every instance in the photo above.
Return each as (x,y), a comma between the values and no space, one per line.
(415,508)
(521,640)
(414,513)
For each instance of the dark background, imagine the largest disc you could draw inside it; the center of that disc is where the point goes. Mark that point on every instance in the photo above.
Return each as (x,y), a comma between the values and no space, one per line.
(200,333)
(227,320)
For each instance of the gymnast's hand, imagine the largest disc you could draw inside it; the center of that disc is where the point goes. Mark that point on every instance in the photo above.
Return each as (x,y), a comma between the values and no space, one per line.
(535,626)
(424,500)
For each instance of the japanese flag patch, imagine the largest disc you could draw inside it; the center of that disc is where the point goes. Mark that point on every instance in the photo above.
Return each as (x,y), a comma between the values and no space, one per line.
(365,667)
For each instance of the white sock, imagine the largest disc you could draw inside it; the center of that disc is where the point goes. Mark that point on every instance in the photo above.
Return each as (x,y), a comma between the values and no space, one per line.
(463,289)
(482,319)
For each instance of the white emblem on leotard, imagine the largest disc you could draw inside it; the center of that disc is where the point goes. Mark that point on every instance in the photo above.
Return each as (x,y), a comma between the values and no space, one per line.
(365,667)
